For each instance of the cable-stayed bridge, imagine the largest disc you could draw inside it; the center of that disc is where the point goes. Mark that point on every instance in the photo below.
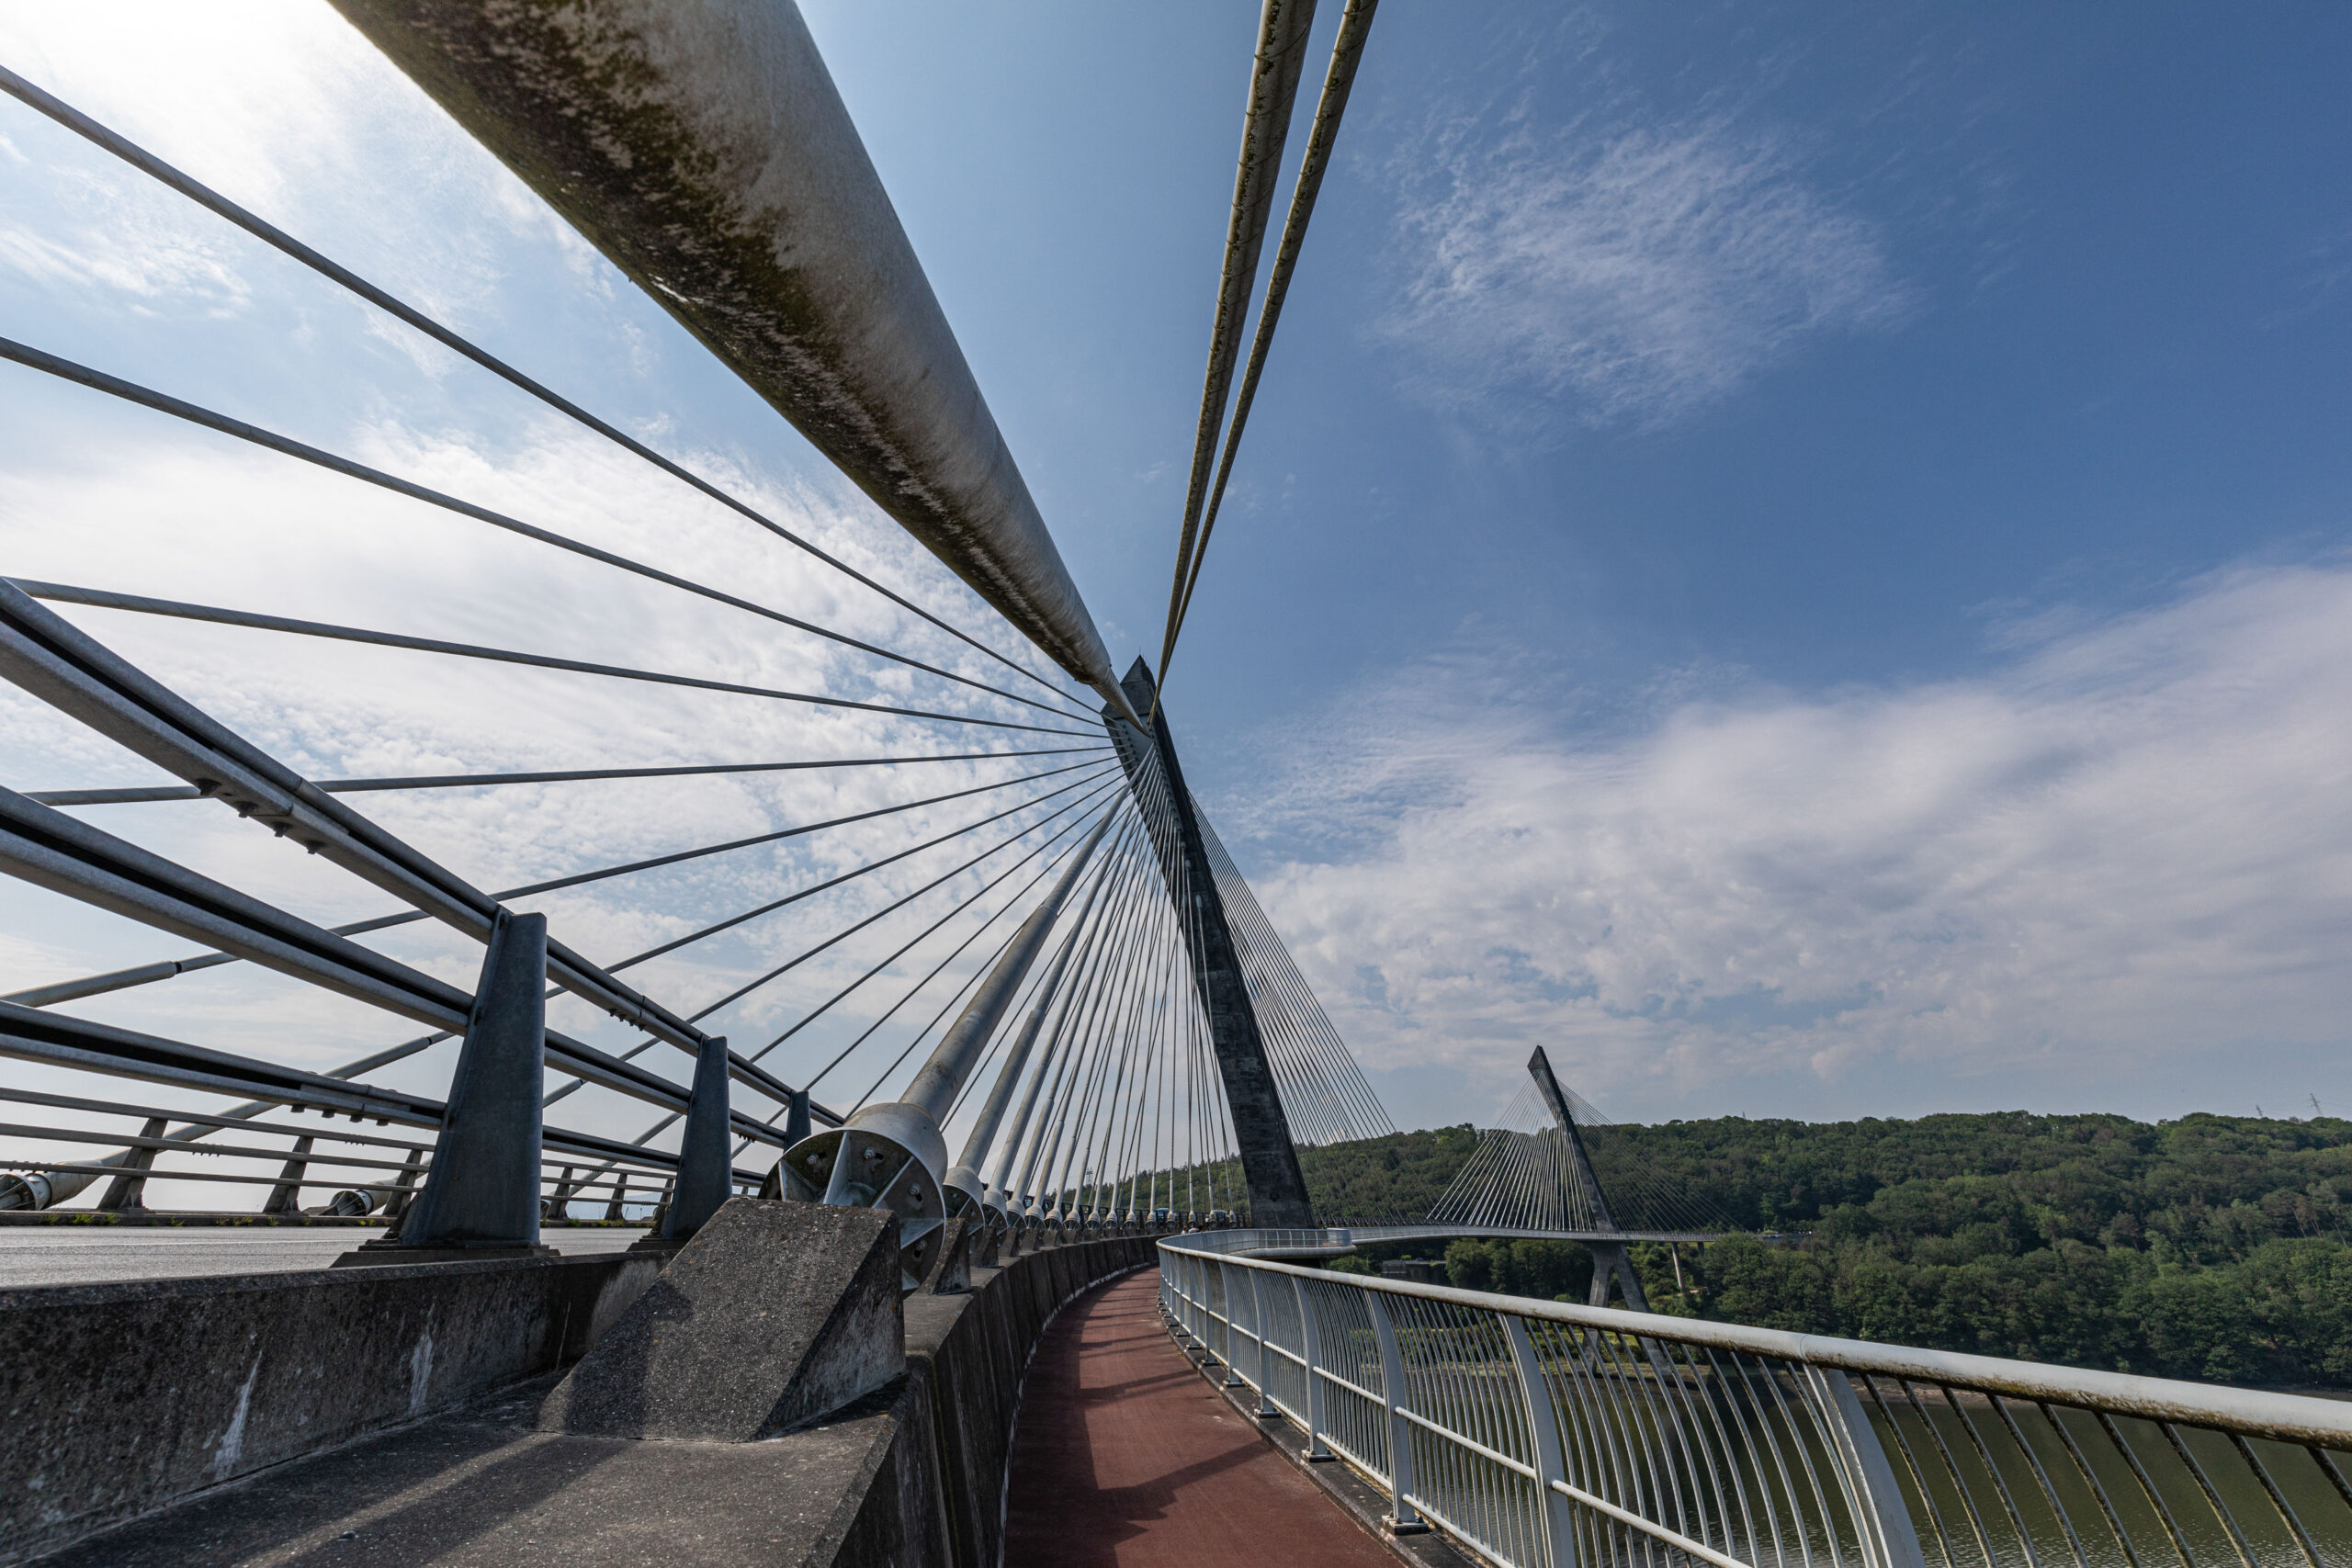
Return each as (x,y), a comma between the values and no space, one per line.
(719,983)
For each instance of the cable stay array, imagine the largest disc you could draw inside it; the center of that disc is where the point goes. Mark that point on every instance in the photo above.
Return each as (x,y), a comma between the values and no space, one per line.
(1523,1175)
(925,896)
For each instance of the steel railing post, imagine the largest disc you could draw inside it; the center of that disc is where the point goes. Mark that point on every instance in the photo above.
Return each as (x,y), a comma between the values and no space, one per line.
(1311,1347)
(1233,1378)
(1265,1348)
(1882,1519)
(127,1193)
(1403,1518)
(286,1198)
(706,1178)
(1544,1427)
(482,1192)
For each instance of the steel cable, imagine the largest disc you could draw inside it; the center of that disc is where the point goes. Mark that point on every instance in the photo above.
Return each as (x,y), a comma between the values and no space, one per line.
(211,419)
(147,163)
(1355,26)
(102,599)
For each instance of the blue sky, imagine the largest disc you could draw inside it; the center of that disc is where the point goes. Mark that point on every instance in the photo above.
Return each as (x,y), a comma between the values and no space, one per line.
(1795,556)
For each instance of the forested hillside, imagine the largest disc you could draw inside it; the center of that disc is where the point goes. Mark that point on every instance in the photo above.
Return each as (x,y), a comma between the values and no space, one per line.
(2213,1246)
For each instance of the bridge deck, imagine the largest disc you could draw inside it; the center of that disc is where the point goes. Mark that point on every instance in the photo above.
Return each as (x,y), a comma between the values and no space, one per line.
(1126,1456)
(79,1254)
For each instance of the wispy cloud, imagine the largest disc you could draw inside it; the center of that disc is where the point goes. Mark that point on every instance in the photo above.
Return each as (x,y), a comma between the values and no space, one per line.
(1638,271)
(2123,857)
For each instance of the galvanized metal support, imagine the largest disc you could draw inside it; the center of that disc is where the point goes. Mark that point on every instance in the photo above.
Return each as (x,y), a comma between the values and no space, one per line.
(704,1165)
(403,1191)
(558,1203)
(893,1156)
(1265,1348)
(966,1175)
(1403,1518)
(127,1193)
(1278,1197)
(481,1192)
(1890,1540)
(1311,1346)
(1543,1426)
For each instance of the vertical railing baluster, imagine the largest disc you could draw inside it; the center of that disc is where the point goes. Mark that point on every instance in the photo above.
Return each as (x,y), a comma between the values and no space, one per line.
(2212,1497)
(1232,1358)
(2049,1492)
(2099,1492)
(2147,1488)
(2277,1499)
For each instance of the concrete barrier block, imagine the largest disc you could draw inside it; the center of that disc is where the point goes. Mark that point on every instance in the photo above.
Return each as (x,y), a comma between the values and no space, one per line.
(116,1399)
(775,1313)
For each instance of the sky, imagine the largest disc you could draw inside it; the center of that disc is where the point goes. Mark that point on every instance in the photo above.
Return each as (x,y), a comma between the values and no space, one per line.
(1796,557)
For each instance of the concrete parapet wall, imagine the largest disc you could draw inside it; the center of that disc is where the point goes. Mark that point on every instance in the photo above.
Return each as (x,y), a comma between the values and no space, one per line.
(932,1487)
(116,1399)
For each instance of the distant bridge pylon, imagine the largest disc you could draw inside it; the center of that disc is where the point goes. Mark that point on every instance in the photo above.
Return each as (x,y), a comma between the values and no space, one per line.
(1541,1184)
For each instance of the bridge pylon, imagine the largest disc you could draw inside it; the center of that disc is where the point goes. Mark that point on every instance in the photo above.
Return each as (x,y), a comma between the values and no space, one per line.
(1262,1132)
(1610,1260)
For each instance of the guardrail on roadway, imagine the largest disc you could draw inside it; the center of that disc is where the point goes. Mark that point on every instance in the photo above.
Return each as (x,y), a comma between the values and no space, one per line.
(1542,1435)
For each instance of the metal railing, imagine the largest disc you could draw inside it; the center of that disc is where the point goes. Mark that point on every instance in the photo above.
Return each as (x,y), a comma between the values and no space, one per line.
(1539,1433)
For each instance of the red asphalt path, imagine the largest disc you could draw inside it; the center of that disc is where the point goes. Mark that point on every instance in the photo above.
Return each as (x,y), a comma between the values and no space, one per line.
(1125,1455)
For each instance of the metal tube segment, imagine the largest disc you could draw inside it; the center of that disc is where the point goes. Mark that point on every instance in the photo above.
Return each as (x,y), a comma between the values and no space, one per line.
(966,1175)
(702,147)
(893,1156)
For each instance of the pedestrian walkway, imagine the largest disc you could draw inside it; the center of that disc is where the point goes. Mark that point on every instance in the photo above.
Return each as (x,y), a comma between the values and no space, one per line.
(1125,1455)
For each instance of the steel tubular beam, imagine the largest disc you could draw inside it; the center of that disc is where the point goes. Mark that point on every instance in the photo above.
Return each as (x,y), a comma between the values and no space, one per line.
(940,1079)
(60,1041)
(51,850)
(1261,1128)
(54,660)
(702,147)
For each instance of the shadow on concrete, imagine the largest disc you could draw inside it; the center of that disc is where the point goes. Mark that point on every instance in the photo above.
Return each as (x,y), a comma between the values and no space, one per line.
(406,1497)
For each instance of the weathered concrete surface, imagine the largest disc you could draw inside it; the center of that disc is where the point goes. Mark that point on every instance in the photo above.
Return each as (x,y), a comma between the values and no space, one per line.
(934,1492)
(117,1399)
(482,1489)
(912,1475)
(774,1313)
